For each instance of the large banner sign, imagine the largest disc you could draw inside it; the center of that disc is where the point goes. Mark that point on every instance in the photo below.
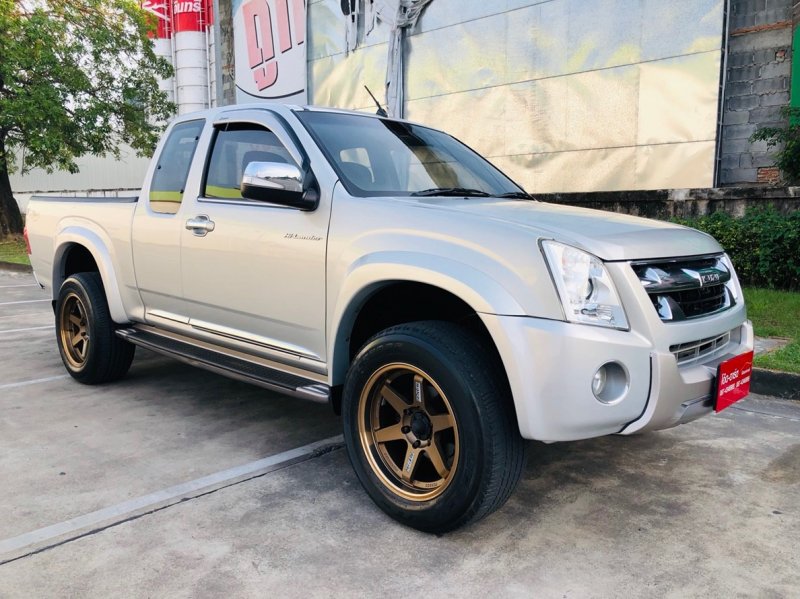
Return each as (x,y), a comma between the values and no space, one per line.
(270,51)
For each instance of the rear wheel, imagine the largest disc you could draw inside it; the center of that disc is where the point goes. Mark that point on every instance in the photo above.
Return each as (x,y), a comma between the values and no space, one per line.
(429,426)
(87,341)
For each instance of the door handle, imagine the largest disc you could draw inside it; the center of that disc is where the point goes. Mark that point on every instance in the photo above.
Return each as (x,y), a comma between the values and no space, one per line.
(200,225)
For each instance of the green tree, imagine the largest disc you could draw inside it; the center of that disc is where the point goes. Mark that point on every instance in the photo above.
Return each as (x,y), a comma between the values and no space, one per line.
(787,138)
(76,77)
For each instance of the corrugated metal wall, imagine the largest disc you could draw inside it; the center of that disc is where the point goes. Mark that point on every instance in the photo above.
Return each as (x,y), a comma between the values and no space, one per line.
(565,95)
(97,176)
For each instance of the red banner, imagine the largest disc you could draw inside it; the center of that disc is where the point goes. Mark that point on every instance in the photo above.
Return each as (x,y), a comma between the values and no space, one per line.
(160,9)
(192,15)
(179,15)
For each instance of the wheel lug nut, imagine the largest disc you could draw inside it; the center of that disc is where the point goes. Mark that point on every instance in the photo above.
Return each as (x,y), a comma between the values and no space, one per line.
(416,444)
(406,430)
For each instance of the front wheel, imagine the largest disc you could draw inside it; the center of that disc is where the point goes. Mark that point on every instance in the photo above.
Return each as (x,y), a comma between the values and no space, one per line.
(429,426)
(87,341)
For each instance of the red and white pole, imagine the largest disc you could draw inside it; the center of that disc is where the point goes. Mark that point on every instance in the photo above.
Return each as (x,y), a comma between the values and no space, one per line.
(192,19)
(162,44)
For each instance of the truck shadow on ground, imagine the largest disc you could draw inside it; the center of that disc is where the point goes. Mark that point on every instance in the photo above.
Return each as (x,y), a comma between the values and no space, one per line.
(211,404)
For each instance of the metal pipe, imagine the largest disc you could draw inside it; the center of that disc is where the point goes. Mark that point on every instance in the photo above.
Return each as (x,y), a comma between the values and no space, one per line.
(208,69)
(723,81)
(174,56)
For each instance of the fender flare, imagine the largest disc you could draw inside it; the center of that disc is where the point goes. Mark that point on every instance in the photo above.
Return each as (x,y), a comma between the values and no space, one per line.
(374,271)
(98,245)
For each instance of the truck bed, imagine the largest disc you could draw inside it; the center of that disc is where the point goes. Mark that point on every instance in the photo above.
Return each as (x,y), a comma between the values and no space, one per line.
(54,223)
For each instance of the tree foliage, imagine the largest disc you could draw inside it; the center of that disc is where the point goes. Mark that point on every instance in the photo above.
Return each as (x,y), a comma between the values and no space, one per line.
(787,158)
(76,77)
(764,245)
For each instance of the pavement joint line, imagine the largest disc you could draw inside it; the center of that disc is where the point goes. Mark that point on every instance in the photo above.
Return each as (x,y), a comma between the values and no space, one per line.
(21,314)
(764,413)
(39,540)
(24,302)
(13,286)
(33,382)
(49,326)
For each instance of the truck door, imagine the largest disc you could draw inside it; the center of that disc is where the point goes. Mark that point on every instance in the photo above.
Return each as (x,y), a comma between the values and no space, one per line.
(157,225)
(253,272)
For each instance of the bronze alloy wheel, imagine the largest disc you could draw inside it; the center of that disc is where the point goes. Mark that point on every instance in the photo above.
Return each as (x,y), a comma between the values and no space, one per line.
(87,336)
(429,425)
(74,331)
(408,432)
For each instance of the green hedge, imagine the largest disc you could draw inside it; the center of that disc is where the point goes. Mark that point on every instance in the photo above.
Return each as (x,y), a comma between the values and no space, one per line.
(764,245)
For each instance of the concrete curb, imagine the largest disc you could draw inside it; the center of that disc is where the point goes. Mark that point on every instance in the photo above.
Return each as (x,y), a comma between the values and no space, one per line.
(784,385)
(14,267)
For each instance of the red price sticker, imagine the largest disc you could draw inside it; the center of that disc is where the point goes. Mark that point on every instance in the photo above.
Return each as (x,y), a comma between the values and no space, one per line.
(733,380)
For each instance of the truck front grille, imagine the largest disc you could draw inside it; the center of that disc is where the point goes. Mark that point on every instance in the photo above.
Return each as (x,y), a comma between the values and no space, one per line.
(695,351)
(687,288)
(697,302)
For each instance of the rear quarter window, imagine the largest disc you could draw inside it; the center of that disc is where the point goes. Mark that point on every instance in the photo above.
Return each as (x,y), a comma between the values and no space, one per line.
(172,170)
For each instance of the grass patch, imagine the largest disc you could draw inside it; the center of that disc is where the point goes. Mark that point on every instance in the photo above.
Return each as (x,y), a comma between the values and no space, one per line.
(12,249)
(776,314)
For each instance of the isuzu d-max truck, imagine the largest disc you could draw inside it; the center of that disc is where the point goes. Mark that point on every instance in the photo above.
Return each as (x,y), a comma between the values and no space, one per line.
(386,268)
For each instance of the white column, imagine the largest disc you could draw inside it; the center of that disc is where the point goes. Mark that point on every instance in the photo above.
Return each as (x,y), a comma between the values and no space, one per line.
(191,71)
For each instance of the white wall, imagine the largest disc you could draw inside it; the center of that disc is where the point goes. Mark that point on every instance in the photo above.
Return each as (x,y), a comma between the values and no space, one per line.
(97,176)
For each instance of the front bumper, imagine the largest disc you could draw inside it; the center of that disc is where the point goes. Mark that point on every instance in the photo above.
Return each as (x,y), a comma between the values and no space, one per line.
(550,366)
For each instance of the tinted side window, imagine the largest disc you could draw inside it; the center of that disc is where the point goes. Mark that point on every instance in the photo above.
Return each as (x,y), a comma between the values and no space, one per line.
(235,147)
(169,179)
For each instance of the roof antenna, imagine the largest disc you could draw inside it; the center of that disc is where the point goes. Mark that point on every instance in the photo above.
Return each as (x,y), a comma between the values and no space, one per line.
(381,111)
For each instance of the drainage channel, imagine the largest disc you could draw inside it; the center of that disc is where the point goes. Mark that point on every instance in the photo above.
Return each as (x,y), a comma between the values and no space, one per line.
(54,535)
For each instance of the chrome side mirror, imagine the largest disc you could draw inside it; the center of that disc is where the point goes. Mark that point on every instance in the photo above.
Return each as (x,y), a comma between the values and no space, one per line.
(278,183)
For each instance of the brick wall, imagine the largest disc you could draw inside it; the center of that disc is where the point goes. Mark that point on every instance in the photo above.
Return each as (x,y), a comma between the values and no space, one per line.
(758,78)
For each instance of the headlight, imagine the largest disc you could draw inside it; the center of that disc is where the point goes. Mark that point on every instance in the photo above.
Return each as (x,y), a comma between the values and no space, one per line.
(584,286)
(733,282)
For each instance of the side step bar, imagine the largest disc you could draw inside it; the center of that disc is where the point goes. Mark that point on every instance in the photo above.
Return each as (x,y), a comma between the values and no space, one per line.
(230,363)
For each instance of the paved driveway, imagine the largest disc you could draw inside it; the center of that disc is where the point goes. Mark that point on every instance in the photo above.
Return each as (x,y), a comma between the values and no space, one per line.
(179,483)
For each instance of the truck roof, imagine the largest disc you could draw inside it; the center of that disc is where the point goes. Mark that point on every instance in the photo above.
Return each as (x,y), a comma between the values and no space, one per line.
(274,107)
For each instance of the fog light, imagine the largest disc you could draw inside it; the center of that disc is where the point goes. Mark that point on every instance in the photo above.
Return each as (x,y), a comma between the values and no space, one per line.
(610,383)
(599,381)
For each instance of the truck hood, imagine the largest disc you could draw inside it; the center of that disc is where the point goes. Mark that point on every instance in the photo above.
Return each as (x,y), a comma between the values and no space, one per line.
(608,235)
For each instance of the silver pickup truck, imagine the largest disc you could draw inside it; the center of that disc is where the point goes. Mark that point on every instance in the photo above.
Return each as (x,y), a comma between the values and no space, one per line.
(388,269)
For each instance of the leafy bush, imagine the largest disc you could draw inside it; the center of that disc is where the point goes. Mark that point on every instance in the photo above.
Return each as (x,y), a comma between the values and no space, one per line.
(764,245)
(787,159)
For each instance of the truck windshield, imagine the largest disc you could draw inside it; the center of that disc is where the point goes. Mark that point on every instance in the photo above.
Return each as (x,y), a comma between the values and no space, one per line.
(381,157)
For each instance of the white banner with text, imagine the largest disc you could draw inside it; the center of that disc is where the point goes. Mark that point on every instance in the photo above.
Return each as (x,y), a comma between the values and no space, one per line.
(270,50)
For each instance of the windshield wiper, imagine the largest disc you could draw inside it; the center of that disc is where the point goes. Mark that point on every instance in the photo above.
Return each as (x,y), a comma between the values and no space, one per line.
(516,194)
(452,191)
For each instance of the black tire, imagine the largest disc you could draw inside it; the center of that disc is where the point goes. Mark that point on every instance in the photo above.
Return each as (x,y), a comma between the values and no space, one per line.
(483,455)
(86,336)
